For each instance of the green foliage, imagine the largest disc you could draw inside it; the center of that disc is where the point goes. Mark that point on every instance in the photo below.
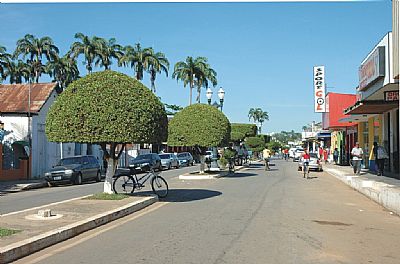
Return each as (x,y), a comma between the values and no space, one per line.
(229,153)
(274,145)
(256,144)
(172,109)
(107,107)
(223,162)
(7,232)
(266,138)
(107,196)
(285,136)
(240,131)
(199,125)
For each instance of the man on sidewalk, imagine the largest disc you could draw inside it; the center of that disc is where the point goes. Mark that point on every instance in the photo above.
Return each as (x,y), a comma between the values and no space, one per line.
(380,156)
(357,154)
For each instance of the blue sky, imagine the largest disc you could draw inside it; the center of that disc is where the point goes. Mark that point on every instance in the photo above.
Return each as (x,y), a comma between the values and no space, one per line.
(263,52)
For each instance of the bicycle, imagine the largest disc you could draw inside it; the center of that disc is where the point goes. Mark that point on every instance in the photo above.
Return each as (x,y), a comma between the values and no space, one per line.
(306,169)
(127,183)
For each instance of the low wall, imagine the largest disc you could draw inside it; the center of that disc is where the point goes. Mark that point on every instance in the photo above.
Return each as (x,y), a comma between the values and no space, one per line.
(13,174)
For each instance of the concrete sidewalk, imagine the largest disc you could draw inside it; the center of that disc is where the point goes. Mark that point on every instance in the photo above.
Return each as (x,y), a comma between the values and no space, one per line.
(381,189)
(69,218)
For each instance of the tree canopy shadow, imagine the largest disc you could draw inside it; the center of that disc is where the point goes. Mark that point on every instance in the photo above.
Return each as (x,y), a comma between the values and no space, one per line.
(184,195)
(240,175)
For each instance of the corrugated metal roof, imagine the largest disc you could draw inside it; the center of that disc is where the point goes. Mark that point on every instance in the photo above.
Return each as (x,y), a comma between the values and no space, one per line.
(14,97)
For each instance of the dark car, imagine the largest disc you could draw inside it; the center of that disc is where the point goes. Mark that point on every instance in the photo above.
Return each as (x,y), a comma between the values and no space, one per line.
(185,158)
(146,161)
(74,170)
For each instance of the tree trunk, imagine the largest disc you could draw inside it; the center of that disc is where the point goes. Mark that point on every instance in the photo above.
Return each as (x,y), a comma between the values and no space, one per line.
(202,163)
(190,95)
(111,168)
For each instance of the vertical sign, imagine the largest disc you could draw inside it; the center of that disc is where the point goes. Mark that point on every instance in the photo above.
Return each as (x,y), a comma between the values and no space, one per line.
(319,89)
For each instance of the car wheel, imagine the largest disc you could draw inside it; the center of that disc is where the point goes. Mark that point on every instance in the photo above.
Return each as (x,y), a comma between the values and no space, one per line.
(98,176)
(177,166)
(78,179)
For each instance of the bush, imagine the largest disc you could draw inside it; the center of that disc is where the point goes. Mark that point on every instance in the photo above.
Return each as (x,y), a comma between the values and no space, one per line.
(223,162)
(199,125)
(255,144)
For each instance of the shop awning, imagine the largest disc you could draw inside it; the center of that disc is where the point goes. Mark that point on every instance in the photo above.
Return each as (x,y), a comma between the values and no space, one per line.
(371,107)
(356,118)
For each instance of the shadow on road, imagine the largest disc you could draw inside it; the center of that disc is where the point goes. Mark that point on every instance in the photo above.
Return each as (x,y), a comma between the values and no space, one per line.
(184,195)
(240,175)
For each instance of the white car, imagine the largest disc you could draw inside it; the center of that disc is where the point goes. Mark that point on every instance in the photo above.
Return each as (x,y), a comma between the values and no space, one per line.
(314,164)
(297,154)
(291,152)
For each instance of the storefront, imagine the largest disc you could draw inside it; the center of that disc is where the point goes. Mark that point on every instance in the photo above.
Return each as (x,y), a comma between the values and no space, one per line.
(343,133)
(377,99)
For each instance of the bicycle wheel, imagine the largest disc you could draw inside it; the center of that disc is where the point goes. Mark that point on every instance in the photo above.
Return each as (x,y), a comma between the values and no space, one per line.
(123,184)
(159,186)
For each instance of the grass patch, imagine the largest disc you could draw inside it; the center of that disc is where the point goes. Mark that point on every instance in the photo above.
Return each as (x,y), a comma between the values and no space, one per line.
(107,196)
(7,232)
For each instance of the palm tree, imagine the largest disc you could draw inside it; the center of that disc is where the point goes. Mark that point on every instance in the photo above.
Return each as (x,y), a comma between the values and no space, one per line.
(204,77)
(157,63)
(189,70)
(35,48)
(64,70)
(5,60)
(18,70)
(262,117)
(137,58)
(258,115)
(86,46)
(106,51)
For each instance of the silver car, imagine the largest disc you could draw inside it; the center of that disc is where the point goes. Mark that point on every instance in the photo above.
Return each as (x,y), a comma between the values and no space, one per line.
(169,160)
(314,164)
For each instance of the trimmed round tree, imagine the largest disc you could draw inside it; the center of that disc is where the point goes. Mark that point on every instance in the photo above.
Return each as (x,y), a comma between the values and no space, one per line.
(200,126)
(107,108)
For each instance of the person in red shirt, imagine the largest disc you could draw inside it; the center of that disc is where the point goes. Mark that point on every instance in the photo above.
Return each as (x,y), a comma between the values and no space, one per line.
(305,157)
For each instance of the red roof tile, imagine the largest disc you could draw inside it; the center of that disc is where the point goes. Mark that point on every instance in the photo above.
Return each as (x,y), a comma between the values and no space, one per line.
(14,97)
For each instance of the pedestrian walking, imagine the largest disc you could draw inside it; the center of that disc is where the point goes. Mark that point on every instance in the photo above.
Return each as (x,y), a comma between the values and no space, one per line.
(325,153)
(336,156)
(380,155)
(266,156)
(357,154)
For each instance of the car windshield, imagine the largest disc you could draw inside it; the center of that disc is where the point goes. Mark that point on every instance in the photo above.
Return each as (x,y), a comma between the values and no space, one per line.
(69,161)
(143,156)
(181,155)
(164,156)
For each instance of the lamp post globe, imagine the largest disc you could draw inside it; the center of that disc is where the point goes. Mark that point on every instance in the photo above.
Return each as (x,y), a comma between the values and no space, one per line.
(209,94)
(221,95)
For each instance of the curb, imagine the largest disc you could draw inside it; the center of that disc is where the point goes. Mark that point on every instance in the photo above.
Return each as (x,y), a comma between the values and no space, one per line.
(380,192)
(28,246)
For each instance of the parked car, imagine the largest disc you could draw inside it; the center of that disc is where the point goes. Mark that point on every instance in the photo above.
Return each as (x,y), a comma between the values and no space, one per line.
(291,152)
(185,158)
(314,164)
(74,170)
(144,162)
(169,160)
(297,154)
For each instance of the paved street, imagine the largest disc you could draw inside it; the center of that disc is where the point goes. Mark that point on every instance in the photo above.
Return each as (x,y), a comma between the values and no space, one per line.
(251,217)
(12,202)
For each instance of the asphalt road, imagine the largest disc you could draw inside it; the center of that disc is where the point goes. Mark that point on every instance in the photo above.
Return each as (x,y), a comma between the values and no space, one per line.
(12,202)
(251,217)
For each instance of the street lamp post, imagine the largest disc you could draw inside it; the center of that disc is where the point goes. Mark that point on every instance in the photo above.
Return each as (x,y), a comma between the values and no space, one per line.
(221,96)
(209,94)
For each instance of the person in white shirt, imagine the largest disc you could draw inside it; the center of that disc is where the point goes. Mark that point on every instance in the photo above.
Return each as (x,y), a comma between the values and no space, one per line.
(357,154)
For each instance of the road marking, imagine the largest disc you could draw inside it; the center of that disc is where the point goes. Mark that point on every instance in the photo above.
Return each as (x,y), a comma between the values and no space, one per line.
(111,226)
(46,205)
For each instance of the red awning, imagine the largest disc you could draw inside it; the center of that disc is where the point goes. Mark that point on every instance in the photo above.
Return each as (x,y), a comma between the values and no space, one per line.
(371,107)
